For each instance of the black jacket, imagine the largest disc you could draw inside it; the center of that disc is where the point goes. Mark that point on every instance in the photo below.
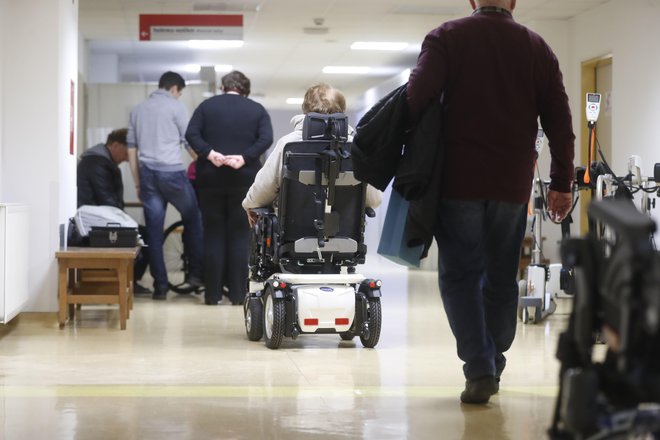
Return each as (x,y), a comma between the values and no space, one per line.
(99,179)
(229,124)
(379,138)
(385,147)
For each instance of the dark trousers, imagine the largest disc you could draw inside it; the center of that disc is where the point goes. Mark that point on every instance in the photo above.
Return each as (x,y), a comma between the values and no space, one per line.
(479,246)
(226,244)
(142,259)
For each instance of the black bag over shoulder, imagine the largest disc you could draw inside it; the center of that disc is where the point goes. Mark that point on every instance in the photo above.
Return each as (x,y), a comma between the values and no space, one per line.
(379,139)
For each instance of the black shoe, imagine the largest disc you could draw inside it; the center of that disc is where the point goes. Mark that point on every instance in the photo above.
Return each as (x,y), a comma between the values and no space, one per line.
(479,390)
(210,302)
(139,289)
(191,284)
(159,294)
(499,369)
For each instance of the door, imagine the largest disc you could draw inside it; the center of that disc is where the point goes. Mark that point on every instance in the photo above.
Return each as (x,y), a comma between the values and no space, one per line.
(596,78)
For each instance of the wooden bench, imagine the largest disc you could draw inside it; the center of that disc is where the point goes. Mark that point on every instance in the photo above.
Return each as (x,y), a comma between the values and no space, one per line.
(90,275)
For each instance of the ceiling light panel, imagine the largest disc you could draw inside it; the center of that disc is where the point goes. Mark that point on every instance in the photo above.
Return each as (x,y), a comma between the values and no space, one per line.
(227,6)
(215,44)
(355,70)
(379,45)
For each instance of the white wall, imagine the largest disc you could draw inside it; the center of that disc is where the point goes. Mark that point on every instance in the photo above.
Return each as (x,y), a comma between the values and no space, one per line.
(628,29)
(39,61)
(2,68)
(104,68)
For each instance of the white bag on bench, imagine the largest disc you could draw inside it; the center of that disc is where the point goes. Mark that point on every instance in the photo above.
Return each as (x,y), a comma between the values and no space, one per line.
(88,216)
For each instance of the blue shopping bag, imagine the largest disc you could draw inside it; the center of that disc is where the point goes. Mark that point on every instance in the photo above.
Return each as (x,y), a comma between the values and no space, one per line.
(393,243)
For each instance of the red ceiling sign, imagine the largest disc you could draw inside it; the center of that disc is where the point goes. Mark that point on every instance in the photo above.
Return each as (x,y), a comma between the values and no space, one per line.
(191,27)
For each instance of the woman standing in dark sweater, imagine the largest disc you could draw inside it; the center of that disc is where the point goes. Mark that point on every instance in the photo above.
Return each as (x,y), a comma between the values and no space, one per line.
(229,132)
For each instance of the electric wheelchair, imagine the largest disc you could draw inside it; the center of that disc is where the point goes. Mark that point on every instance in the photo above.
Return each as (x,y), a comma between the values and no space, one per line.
(304,253)
(617,299)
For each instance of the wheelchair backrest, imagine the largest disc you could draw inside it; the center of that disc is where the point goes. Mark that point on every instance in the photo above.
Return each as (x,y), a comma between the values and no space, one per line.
(321,204)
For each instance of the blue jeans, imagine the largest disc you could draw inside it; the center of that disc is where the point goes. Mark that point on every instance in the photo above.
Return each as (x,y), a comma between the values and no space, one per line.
(157,188)
(479,245)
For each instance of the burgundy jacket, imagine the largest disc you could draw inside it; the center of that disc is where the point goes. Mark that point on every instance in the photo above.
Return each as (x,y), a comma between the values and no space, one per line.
(496,77)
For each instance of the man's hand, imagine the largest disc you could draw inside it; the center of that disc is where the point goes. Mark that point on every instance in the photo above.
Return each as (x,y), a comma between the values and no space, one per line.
(216,158)
(235,161)
(559,205)
(252,217)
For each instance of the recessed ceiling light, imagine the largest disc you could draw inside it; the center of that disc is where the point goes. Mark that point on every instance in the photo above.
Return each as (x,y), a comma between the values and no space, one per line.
(215,44)
(192,68)
(378,45)
(294,101)
(223,68)
(347,69)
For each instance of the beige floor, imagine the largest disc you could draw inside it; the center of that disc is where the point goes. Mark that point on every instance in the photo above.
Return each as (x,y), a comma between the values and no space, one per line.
(183,370)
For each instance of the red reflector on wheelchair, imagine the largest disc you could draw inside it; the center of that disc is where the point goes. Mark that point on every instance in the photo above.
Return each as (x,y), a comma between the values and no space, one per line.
(372,284)
(268,242)
(282,285)
(341,321)
(311,321)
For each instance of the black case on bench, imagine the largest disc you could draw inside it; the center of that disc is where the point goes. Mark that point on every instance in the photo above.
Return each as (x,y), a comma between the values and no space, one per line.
(113,236)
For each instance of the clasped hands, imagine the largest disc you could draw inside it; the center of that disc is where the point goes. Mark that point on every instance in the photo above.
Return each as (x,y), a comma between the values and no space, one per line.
(234,161)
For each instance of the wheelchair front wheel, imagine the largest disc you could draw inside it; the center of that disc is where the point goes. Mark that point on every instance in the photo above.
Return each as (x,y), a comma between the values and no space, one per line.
(254,320)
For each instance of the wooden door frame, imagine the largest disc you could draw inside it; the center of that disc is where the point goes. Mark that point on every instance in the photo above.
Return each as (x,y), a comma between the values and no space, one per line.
(589,68)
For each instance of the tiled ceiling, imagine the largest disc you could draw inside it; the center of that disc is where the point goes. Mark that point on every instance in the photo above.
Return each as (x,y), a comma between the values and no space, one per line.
(279,56)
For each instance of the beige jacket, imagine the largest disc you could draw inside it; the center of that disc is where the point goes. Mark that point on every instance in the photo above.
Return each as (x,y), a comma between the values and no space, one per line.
(263,191)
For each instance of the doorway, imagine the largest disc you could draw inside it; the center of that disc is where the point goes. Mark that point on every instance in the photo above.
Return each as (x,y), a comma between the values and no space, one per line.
(596,78)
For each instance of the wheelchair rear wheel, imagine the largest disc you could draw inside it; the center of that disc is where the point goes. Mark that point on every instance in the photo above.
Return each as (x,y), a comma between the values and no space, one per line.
(374,322)
(176,261)
(274,320)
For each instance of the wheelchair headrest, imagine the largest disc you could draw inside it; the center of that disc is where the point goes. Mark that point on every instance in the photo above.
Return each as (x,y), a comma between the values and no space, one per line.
(322,127)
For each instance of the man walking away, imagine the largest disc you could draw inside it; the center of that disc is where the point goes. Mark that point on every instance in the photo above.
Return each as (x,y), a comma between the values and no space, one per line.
(495,77)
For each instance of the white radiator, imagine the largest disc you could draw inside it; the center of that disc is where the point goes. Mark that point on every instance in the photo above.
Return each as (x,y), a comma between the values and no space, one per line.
(14,234)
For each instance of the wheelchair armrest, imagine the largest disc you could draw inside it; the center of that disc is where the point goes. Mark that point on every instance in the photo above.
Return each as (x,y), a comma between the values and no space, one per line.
(370,212)
(262,211)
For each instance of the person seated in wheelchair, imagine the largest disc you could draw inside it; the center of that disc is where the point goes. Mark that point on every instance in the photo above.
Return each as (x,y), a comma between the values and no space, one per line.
(319,100)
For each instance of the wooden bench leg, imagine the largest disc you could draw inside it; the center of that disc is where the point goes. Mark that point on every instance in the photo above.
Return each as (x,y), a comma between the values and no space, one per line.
(131,285)
(73,279)
(123,293)
(62,291)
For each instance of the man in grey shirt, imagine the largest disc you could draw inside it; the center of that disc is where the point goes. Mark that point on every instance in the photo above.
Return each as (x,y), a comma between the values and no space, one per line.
(155,133)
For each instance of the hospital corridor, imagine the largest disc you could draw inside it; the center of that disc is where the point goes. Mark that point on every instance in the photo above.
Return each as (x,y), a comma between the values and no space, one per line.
(183,371)
(329,220)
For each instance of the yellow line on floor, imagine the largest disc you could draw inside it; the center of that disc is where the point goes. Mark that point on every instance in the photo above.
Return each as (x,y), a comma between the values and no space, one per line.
(201,391)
